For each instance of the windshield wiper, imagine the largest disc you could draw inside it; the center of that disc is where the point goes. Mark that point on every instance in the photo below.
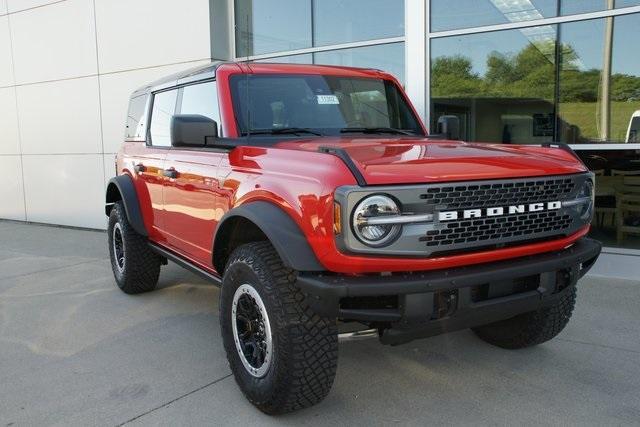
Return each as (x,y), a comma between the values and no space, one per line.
(282,131)
(377,130)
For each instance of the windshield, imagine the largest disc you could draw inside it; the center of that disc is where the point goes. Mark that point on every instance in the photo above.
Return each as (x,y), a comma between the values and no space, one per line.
(320,105)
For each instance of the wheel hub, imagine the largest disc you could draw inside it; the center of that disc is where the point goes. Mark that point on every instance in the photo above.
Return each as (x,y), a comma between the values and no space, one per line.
(118,246)
(251,330)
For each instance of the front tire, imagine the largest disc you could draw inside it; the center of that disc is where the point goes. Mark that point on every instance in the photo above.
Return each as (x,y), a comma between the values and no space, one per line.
(283,356)
(533,328)
(135,266)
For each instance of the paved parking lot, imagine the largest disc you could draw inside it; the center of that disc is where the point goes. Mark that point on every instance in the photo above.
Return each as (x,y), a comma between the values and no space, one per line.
(74,350)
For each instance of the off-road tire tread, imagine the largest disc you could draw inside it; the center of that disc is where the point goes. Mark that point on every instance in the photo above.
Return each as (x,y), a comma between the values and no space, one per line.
(308,343)
(529,329)
(142,265)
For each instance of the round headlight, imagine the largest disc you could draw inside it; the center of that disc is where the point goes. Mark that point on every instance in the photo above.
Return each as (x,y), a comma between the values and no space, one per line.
(587,191)
(364,224)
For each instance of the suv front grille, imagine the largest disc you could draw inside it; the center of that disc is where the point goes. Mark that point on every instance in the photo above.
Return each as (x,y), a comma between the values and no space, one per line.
(481,230)
(486,228)
(500,193)
(496,231)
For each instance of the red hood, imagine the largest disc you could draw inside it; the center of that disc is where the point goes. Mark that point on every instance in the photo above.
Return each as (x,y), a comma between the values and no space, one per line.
(394,161)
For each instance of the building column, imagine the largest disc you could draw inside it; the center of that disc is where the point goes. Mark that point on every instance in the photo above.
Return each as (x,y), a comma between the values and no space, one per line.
(222,30)
(416,52)
(605,87)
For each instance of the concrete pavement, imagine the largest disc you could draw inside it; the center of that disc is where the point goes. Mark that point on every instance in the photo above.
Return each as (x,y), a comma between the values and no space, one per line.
(74,350)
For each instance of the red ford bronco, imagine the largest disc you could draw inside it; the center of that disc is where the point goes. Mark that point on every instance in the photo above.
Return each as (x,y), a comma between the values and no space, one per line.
(315,198)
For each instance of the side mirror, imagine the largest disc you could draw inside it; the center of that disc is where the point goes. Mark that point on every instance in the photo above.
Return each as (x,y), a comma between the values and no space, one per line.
(192,130)
(449,126)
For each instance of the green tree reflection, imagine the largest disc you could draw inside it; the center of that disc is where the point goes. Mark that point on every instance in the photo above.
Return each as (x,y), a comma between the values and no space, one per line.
(531,74)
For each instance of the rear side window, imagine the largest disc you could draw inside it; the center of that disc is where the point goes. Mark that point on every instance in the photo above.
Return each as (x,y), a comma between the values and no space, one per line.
(201,99)
(164,105)
(136,127)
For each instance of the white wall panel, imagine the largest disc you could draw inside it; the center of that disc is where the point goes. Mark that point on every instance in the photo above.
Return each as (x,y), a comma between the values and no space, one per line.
(109,167)
(60,117)
(53,122)
(54,42)
(115,90)
(9,137)
(66,190)
(142,33)
(16,5)
(11,196)
(6,62)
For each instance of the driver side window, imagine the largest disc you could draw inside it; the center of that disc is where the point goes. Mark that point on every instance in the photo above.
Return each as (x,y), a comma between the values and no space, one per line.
(201,99)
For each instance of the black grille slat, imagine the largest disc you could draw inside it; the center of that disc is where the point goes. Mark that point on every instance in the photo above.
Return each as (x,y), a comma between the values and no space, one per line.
(489,228)
(488,195)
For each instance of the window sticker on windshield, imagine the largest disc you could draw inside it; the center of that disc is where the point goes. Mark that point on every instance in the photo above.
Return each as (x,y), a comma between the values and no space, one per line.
(327,99)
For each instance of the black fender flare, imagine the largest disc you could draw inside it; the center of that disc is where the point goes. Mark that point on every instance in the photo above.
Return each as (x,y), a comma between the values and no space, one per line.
(122,188)
(282,231)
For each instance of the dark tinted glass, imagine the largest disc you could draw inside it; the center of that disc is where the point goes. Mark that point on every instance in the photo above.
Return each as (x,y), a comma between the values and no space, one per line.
(136,127)
(164,104)
(633,132)
(386,57)
(264,26)
(617,195)
(343,21)
(324,104)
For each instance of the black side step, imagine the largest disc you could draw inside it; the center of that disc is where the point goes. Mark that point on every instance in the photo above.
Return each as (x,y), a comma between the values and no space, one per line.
(342,154)
(215,279)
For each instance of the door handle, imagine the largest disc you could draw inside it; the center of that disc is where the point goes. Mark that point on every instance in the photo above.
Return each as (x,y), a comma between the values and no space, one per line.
(170,173)
(139,168)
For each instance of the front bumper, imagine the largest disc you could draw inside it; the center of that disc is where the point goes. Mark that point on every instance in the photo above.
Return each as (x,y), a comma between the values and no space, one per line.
(428,303)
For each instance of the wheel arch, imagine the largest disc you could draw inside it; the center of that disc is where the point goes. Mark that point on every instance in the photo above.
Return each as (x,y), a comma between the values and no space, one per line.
(261,220)
(121,188)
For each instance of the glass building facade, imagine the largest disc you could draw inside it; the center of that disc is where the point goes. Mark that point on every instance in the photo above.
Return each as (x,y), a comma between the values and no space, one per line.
(513,71)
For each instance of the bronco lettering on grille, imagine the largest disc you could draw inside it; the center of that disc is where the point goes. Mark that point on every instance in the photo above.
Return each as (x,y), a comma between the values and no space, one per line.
(498,211)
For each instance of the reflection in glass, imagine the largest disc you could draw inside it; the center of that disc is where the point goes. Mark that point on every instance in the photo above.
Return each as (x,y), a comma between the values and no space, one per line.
(305,58)
(625,80)
(500,84)
(201,99)
(580,82)
(272,26)
(572,7)
(505,87)
(164,105)
(599,80)
(454,14)
(386,57)
(343,21)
